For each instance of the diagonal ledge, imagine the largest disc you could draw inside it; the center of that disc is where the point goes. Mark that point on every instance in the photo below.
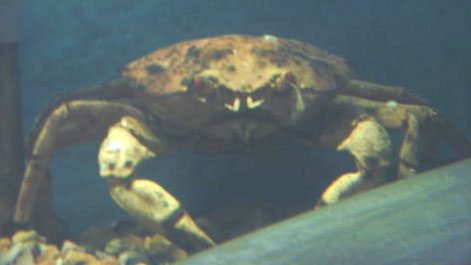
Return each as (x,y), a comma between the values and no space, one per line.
(424,219)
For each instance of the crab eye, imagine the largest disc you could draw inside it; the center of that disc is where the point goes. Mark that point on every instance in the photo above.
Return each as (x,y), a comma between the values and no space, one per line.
(198,83)
(290,78)
(281,84)
(203,88)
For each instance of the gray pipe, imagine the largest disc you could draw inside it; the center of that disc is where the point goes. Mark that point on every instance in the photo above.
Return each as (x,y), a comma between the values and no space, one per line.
(8,21)
(420,220)
(11,138)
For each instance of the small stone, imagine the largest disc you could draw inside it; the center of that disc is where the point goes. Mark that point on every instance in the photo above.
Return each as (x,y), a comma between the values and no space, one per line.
(69,245)
(48,254)
(9,256)
(114,246)
(160,249)
(27,235)
(103,255)
(129,257)
(5,244)
(76,257)
(117,245)
(94,238)
(32,247)
(25,258)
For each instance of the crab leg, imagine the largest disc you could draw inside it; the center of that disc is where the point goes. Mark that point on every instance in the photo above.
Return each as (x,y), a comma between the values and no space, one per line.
(391,94)
(124,147)
(371,148)
(423,127)
(71,122)
(374,91)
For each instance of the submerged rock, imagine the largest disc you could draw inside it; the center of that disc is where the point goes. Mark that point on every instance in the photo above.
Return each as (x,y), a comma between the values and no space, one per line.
(26,247)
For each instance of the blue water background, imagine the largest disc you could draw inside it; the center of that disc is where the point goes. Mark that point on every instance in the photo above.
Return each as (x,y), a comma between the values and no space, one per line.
(420,44)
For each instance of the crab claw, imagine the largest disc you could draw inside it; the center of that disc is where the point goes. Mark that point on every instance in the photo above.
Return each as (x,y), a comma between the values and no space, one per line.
(156,209)
(121,151)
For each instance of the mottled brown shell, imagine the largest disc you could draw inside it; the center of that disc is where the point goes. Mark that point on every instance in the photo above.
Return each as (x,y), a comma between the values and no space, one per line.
(241,63)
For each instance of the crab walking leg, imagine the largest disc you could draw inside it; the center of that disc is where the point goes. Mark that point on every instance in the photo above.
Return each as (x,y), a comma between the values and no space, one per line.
(409,151)
(69,123)
(423,127)
(150,204)
(370,90)
(371,148)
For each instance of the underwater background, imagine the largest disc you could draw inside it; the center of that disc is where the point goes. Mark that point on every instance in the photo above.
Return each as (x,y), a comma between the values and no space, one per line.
(423,45)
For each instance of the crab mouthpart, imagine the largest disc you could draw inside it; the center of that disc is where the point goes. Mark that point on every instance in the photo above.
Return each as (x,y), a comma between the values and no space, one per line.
(235,106)
(253,104)
(250,103)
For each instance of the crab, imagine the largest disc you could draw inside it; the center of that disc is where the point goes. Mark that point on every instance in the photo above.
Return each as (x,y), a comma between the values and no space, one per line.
(232,92)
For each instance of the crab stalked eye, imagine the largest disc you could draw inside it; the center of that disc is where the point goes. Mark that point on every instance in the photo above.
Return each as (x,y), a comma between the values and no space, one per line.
(203,88)
(290,78)
(198,83)
(278,84)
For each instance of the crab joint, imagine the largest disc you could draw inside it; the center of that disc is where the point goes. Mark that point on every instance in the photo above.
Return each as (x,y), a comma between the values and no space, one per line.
(121,151)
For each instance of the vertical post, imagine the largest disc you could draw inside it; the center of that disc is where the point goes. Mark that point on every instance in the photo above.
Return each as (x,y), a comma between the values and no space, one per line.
(11,136)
